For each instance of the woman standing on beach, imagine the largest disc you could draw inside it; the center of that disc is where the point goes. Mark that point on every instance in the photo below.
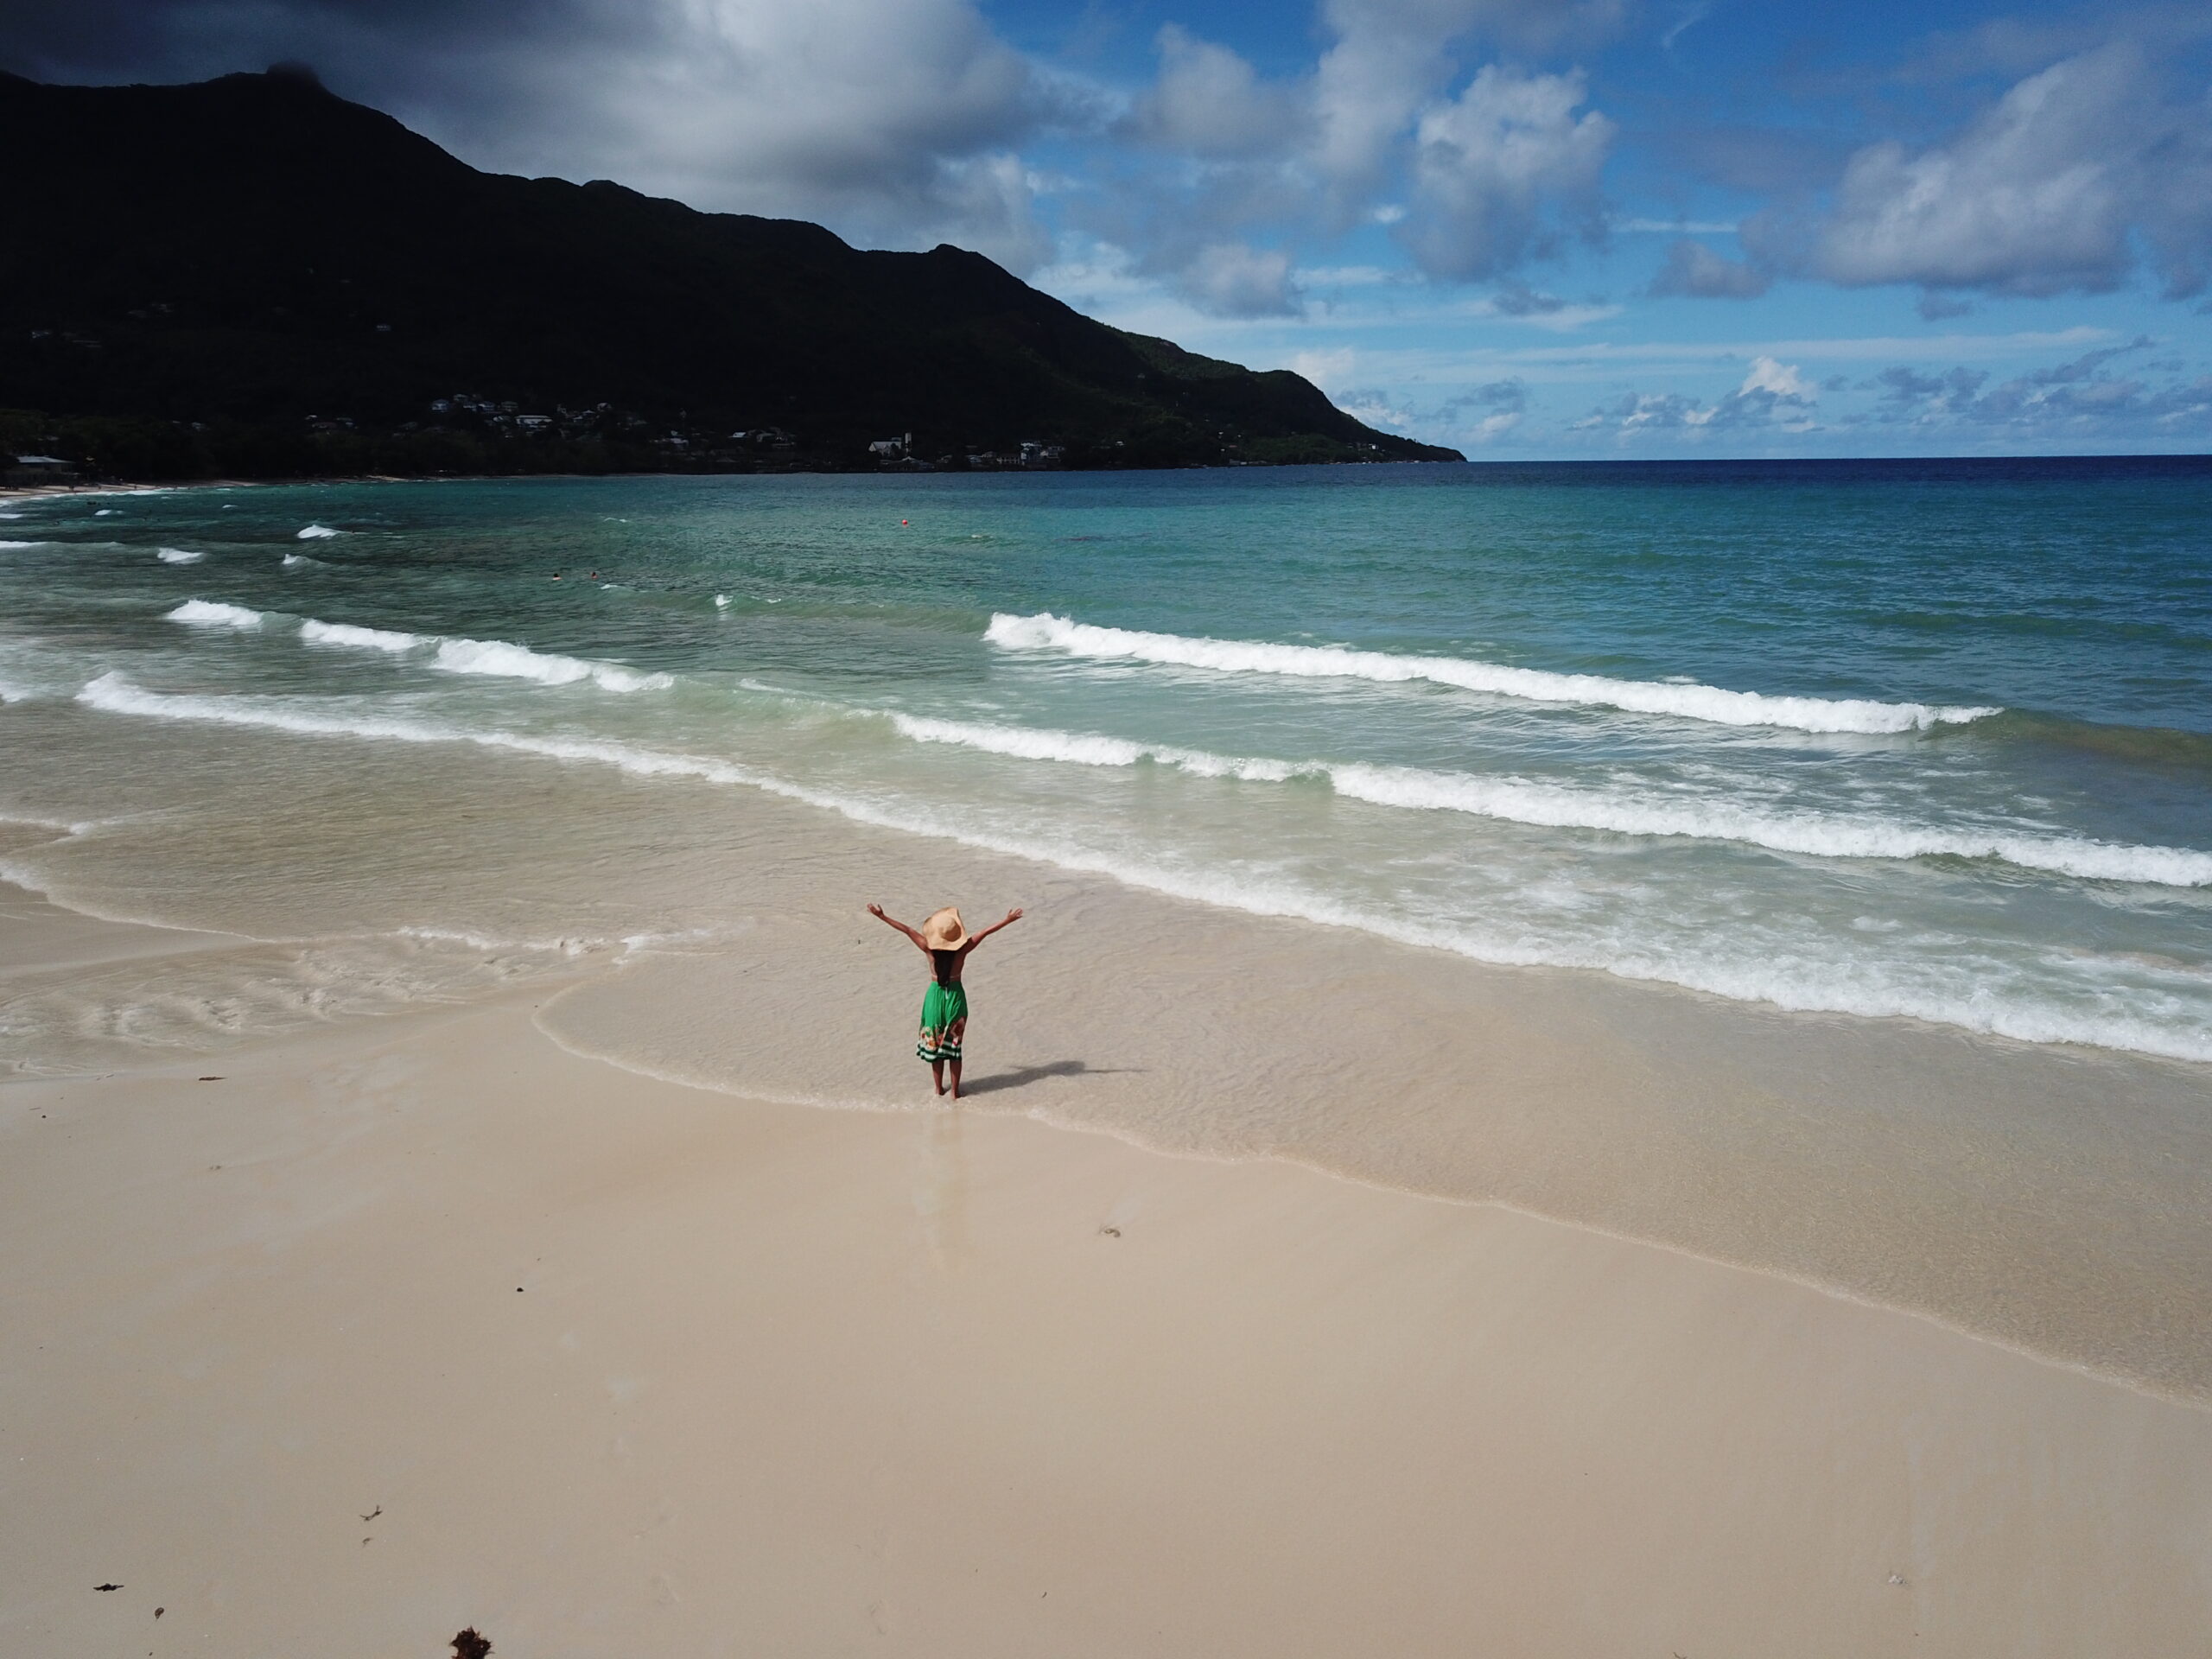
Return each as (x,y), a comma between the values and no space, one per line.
(944,1005)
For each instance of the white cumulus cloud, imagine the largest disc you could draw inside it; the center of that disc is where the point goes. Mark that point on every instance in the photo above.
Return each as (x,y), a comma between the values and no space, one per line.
(1233,279)
(2040,195)
(1493,166)
(1209,102)
(1782,379)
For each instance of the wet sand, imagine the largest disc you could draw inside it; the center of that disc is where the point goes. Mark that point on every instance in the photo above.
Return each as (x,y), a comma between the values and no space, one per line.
(2055,1199)
(399,1325)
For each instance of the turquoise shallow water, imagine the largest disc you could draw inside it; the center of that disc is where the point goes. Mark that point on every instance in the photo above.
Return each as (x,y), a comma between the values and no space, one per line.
(1925,739)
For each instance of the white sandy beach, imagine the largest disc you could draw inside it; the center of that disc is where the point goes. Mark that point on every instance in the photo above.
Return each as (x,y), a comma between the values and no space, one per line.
(396,1327)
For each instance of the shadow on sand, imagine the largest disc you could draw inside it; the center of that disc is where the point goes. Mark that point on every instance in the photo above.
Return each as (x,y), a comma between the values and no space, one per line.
(1029,1074)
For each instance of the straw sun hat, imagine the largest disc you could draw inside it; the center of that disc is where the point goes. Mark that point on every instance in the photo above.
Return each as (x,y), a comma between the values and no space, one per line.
(942,930)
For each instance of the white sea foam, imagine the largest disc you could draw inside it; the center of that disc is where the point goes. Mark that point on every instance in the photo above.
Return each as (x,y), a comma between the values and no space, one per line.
(509,661)
(345,633)
(1816,834)
(17,547)
(1087,749)
(178,555)
(1047,632)
(1629,812)
(318,533)
(491,657)
(1840,987)
(475,940)
(301,561)
(212,614)
(722,601)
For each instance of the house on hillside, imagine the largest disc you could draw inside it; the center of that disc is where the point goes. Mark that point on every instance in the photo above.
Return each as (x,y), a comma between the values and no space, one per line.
(40,469)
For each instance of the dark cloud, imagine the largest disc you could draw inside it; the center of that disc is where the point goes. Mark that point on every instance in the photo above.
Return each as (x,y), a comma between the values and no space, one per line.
(1937,308)
(1903,385)
(1695,271)
(1510,397)
(2085,398)
(1519,300)
(895,120)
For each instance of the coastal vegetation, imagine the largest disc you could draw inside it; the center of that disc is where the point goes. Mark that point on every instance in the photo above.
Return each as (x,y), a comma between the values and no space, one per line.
(249,276)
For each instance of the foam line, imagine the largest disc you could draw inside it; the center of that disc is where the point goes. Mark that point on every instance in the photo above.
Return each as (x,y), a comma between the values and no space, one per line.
(1818,835)
(178,555)
(1627,812)
(1843,990)
(1047,632)
(1084,749)
(498,658)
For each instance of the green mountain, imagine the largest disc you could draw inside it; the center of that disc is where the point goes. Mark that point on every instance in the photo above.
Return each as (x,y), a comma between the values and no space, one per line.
(251,274)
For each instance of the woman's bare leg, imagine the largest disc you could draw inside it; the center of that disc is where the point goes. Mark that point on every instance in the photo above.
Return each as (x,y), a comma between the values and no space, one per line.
(937,1075)
(956,1080)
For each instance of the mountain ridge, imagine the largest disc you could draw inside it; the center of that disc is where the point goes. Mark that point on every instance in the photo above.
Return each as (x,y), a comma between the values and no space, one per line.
(253,260)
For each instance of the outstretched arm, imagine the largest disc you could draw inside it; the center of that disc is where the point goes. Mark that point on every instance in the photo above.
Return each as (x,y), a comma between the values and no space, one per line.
(982,933)
(920,944)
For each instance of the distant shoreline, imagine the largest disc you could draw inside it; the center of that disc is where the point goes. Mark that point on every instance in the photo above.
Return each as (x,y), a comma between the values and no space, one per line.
(132,486)
(2189,462)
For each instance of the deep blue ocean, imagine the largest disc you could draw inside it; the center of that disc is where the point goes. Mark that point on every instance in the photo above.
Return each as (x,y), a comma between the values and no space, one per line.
(1895,738)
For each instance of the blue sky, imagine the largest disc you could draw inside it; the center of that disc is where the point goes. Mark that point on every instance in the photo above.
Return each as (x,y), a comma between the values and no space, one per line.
(1527,228)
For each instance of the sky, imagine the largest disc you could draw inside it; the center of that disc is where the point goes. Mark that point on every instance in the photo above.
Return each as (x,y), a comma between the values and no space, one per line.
(1529,229)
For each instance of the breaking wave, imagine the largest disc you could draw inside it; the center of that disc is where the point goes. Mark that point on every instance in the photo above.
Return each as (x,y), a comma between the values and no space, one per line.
(509,661)
(178,555)
(212,613)
(498,658)
(345,633)
(1629,812)
(318,533)
(1047,632)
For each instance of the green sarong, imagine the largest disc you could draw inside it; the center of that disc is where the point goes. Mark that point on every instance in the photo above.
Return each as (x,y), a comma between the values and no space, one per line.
(944,1021)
